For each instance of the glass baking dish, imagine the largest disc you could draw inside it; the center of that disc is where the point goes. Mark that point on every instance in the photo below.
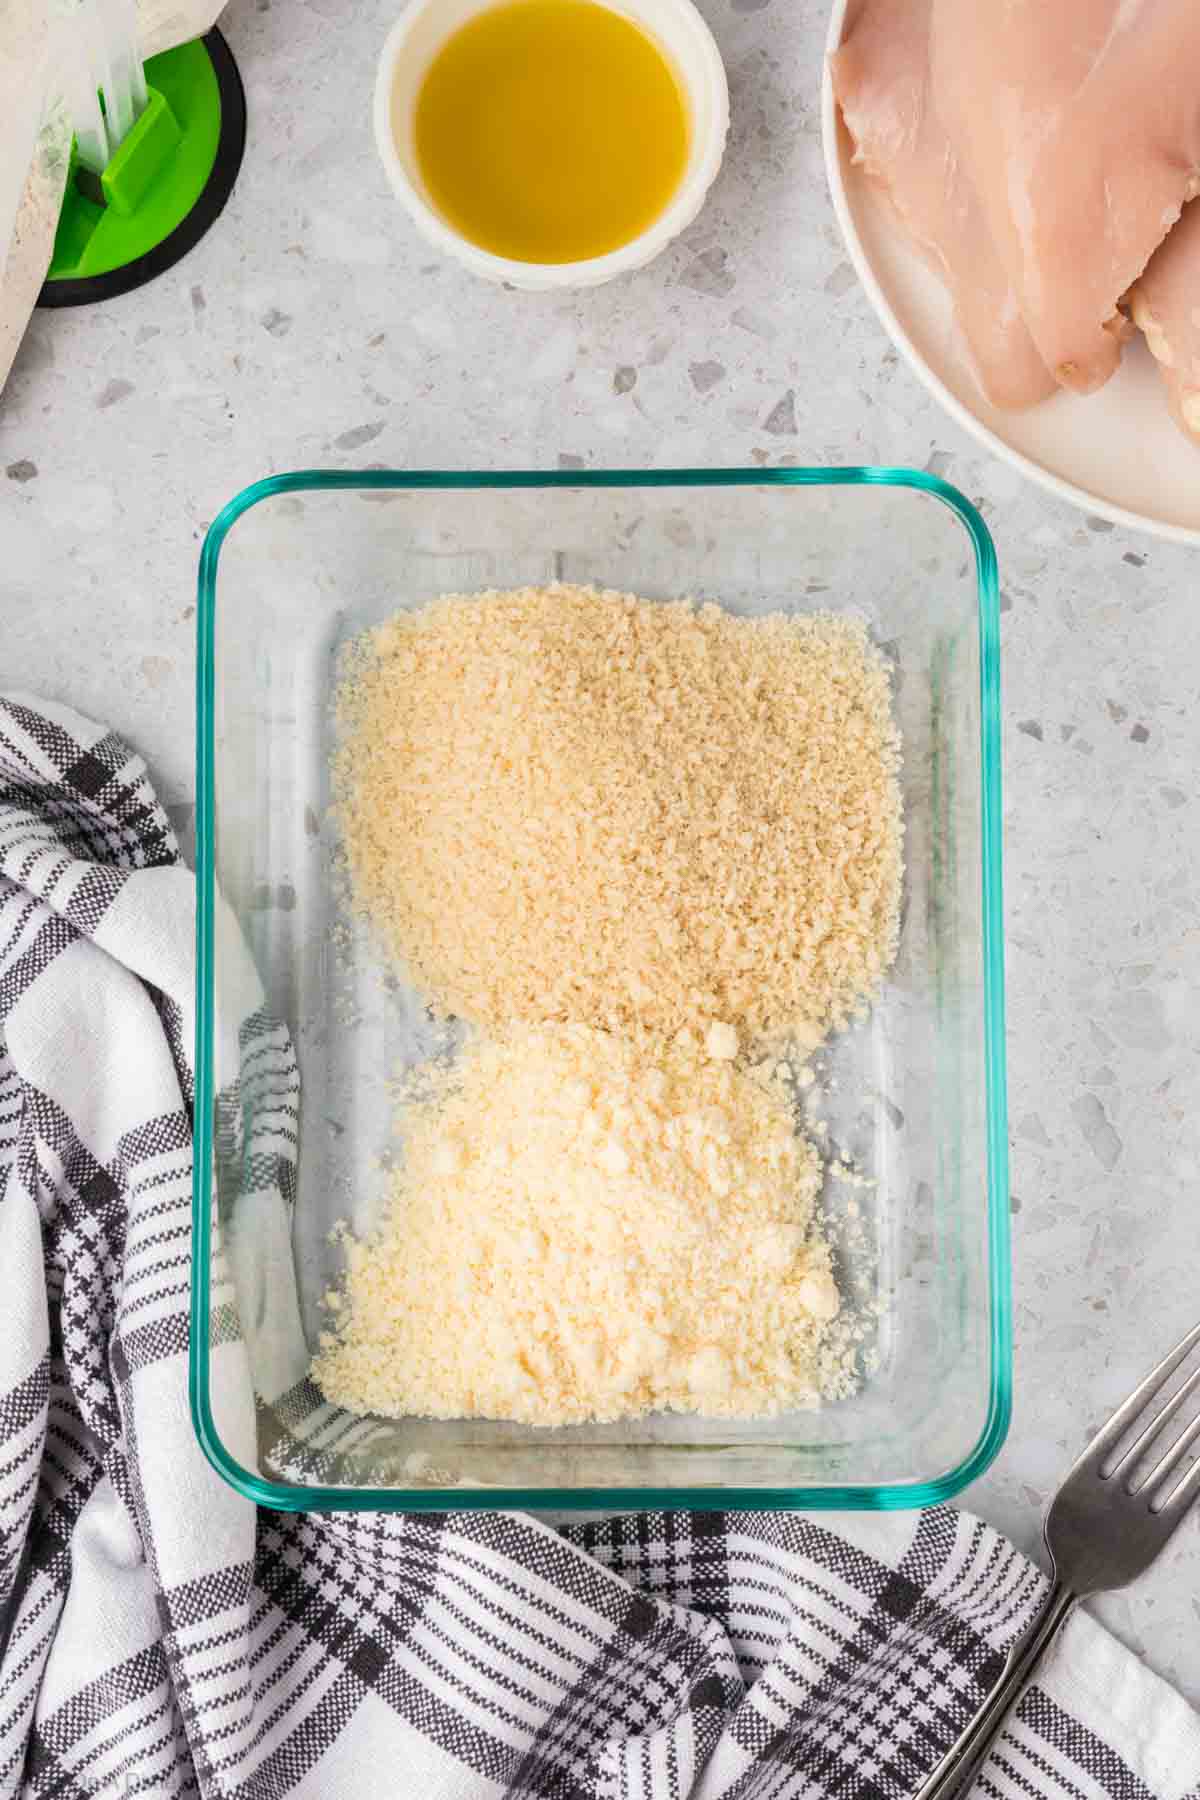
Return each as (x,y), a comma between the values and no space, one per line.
(292,568)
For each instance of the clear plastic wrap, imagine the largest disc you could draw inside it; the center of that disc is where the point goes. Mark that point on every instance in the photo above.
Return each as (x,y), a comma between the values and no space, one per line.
(45,63)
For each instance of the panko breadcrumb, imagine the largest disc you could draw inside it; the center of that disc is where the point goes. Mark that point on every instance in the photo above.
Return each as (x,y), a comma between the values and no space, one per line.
(559,804)
(591,1226)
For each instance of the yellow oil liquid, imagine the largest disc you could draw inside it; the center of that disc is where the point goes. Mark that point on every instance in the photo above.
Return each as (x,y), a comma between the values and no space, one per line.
(550,130)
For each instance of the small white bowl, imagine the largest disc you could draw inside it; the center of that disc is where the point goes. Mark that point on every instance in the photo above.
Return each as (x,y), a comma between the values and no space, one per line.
(678,30)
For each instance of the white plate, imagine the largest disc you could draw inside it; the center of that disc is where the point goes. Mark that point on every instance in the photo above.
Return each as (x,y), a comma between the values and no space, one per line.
(1115,453)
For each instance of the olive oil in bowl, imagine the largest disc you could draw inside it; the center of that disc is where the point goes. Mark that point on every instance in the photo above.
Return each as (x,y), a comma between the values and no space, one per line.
(550,131)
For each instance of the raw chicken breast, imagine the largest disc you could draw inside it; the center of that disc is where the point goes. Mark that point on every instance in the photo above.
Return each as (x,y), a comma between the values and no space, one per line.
(1165,304)
(1077,124)
(881,76)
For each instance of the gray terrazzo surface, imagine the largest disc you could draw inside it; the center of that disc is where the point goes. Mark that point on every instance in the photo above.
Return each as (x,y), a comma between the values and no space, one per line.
(313,326)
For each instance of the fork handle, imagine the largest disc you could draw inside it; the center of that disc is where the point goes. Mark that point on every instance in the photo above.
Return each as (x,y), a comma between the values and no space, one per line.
(963,1761)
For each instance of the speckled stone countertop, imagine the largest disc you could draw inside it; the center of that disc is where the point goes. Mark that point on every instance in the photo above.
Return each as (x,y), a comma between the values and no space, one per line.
(313,326)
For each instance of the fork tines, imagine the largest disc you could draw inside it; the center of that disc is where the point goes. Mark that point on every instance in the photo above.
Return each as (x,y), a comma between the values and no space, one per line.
(1153,1482)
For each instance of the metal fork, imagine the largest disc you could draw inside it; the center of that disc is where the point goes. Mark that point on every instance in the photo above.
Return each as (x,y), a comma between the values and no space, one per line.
(1104,1529)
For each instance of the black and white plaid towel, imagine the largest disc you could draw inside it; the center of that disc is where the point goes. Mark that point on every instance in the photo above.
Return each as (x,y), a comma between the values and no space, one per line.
(159,1638)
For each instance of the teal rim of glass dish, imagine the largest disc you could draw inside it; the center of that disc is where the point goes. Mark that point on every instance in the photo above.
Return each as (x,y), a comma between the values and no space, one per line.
(882,1497)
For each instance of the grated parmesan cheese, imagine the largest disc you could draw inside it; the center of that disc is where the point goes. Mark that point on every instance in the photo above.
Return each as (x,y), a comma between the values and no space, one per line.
(591,1226)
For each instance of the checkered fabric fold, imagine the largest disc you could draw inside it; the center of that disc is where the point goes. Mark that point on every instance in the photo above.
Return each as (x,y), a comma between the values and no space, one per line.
(159,1637)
